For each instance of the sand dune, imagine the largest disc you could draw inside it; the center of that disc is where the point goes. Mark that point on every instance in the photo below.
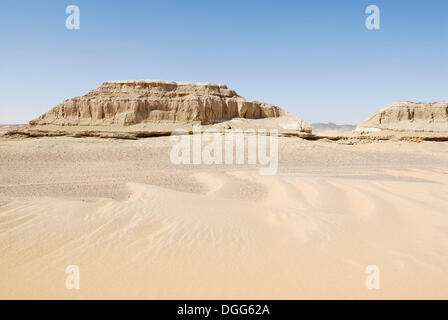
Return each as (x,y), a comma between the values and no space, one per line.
(154,230)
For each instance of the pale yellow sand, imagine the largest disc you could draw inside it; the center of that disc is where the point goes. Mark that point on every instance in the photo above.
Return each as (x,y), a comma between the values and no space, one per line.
(140,227)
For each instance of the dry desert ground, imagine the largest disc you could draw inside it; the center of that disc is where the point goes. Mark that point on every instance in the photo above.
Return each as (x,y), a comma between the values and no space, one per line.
(139,226)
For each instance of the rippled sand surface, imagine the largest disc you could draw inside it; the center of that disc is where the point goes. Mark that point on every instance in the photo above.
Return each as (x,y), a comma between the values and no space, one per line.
(140,227)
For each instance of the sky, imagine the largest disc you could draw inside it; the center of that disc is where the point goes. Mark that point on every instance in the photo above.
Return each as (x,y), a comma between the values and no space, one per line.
(315,59)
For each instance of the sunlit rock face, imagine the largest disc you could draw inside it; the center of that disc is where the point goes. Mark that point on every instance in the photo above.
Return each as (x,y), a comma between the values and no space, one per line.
(409,117)
(140,101)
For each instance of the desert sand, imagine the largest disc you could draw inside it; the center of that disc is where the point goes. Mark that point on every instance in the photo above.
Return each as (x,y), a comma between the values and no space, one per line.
(139,226)
(91,184)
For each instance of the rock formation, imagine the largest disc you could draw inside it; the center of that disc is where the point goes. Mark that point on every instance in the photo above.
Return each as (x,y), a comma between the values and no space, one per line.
(407,116)
(125,103)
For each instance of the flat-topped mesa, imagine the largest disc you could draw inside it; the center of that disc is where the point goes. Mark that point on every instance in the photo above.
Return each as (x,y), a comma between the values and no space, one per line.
(141,101)
(408,116)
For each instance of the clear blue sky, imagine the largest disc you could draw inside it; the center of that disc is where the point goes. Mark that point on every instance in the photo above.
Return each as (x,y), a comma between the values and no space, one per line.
(315,59)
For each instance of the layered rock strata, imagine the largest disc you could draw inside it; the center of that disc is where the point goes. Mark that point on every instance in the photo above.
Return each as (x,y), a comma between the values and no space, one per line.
(126,103)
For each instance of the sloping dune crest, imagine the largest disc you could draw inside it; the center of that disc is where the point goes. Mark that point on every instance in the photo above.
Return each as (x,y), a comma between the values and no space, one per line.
(306,237)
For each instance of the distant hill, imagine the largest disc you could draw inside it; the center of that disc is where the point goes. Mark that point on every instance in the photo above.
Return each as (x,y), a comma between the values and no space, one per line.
(332,126)
(409,116)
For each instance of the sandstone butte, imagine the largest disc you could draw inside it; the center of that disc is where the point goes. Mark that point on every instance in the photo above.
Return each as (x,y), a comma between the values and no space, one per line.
(132,103)
(408,117)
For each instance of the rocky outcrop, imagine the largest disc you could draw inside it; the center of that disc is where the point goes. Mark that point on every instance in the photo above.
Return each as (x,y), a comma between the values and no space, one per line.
(407,116)
(127,103)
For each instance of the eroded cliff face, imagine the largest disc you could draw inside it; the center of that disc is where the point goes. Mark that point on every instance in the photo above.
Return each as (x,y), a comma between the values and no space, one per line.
(134,102)
(409,117)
